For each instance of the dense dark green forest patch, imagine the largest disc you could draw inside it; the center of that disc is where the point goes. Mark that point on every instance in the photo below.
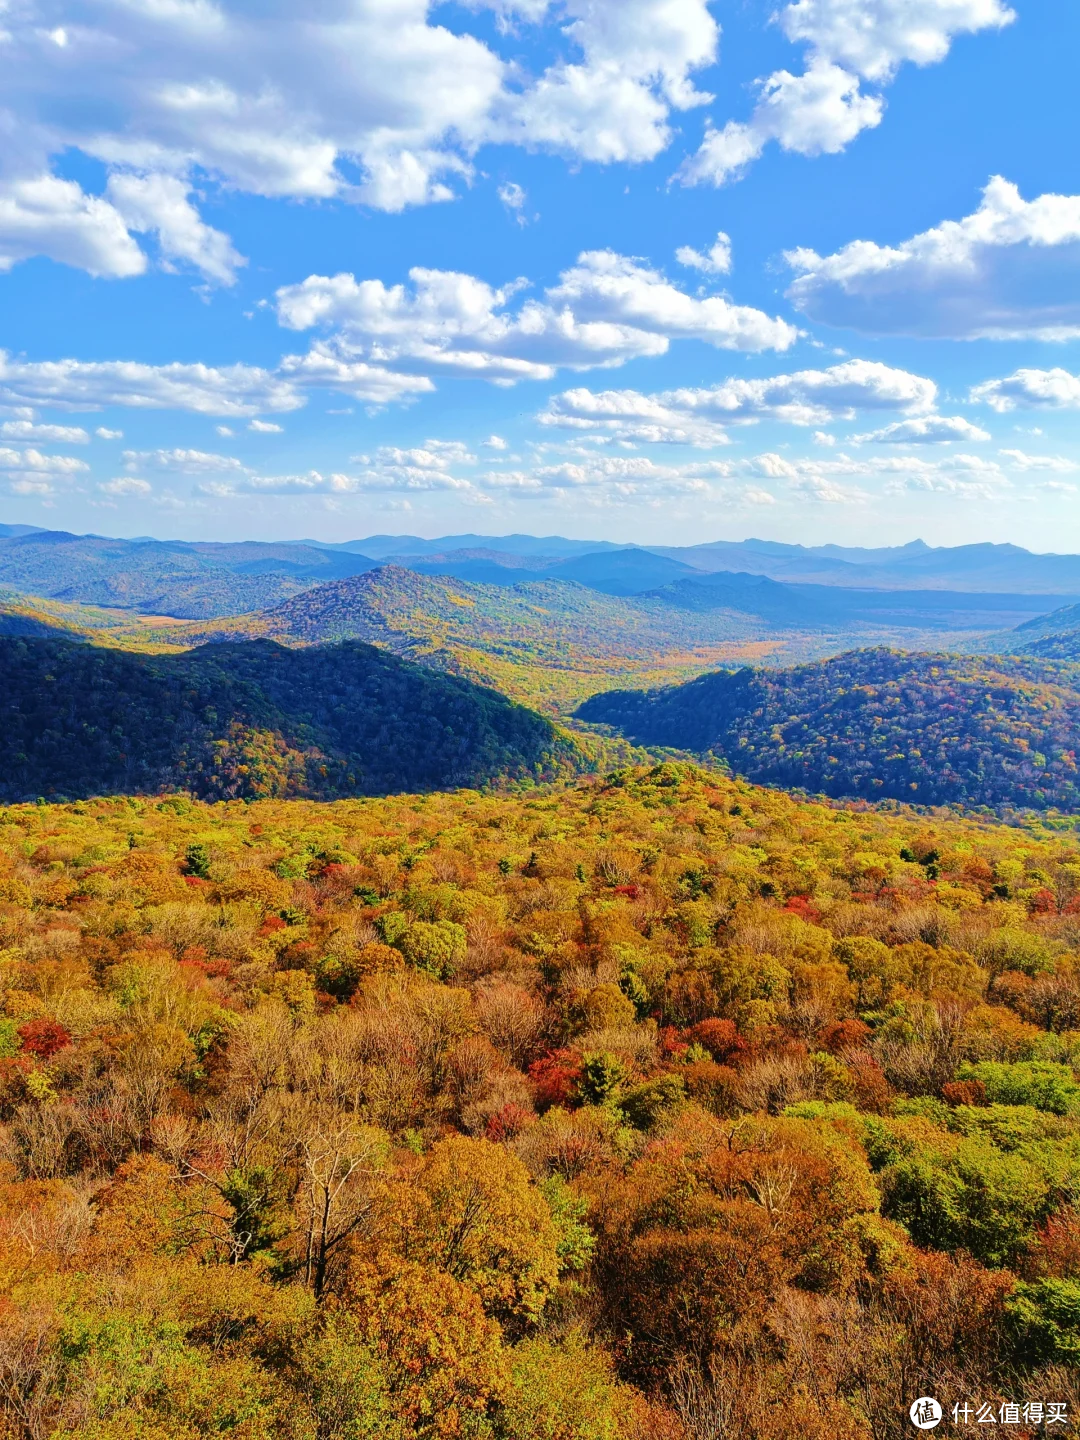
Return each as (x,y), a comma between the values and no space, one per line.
(255,719)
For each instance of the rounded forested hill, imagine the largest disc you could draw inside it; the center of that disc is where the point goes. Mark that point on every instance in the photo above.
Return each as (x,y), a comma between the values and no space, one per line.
(877,724)
(255,720)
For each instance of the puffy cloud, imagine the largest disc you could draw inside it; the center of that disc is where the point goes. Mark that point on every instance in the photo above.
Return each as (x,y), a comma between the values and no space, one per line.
(45,464)
(126,486)
(313,482)
(161,204)
(715,261)
(606,309)
(697,416)
(1055,389)
(1007,271)
(817,113)
(426,467)
(41,214)
(843,479)
(231,390)
(57,434)
(265,427)
(1021,460)
(826,491)
(637,57)
(432,455)
(104,433)
(29,472)
(604,287)
(625,475)
(926,430)
(278,101)
(188,462)
(848,43)
(872,38)
(630,416)
(599,479)
(374,384)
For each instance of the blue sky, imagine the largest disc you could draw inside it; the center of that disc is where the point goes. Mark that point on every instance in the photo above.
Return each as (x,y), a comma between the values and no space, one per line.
(418,268)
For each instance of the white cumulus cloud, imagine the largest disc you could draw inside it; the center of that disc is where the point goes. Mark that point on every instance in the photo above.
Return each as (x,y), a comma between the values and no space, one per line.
(374,101)
(161,204)
(126,486)
(40,214)
(1027,389)
(233,390)
(188,462)
(56,434)
(29,472)
(1007,271)
(848,43)
(1021,460)
(513,197)
(715,261)
(926,430)
(606,309)
(697,416)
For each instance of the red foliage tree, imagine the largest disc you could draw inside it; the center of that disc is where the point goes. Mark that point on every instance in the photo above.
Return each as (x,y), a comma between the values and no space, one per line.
(719,1037)
(43,1037)
(556,1077)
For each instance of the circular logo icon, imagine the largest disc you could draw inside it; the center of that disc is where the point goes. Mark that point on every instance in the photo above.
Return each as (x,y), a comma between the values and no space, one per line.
(925,1413)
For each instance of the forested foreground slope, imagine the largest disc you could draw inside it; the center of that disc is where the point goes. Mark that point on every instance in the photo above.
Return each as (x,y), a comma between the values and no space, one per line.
(255,720)
(876,724)
(660,1109)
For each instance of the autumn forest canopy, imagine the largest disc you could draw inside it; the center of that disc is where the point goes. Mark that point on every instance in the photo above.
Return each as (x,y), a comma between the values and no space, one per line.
(659,1106)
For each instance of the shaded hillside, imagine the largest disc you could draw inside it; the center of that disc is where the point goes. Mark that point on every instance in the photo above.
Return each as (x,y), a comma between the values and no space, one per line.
(877,724)
(1053,636)
(255,720)
(1056,635)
